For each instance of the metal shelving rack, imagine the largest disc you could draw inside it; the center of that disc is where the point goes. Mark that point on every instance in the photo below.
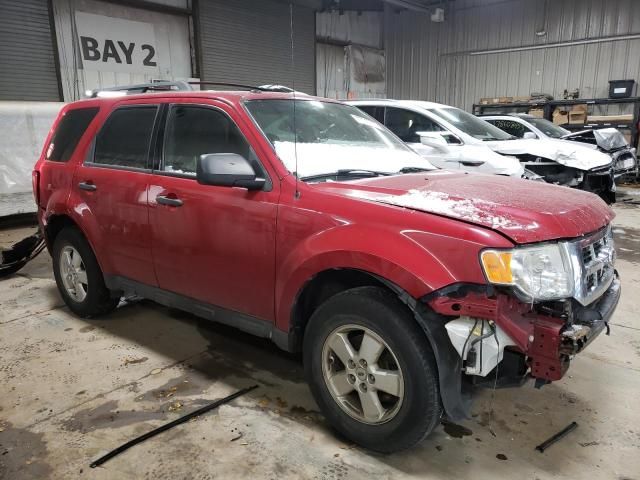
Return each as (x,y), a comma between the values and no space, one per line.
(549,107)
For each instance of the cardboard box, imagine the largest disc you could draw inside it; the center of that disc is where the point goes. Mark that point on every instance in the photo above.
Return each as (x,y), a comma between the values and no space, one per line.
(523,99)
(536,112)
(578,114)
(489,101)
(610,118)
(506,100)
(560,117)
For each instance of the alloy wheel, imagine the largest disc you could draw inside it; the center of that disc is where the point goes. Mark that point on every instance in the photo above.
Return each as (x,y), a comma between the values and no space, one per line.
(73,274)
(362,374)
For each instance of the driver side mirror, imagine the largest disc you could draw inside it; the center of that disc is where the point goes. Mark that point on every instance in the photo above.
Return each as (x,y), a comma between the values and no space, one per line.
(434,140)
(529,135)
(227,170)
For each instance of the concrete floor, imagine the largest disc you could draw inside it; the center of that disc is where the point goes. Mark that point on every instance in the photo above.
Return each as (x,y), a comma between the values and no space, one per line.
(72,389)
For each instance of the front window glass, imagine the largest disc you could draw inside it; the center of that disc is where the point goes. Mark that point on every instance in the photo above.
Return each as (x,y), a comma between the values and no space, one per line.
(550,129)
(193,131)
(329,137)
(470,124)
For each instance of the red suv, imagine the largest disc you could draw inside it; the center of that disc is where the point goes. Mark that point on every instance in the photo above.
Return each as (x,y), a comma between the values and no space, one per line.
(305,221)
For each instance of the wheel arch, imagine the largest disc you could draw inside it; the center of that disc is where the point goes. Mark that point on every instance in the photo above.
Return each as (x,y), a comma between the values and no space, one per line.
(56,222)
(323,285)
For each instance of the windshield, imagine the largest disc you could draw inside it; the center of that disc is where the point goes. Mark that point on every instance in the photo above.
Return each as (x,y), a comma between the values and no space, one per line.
(470,124)
(329,137)
(550,129)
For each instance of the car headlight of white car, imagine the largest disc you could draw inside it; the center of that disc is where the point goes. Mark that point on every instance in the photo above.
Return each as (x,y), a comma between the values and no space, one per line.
(539,272)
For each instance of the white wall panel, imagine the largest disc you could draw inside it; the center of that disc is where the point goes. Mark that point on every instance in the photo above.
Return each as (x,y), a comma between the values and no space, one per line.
(173,49)
(330,70)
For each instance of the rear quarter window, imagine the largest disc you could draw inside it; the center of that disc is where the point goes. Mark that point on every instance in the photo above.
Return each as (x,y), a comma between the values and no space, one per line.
(70,129)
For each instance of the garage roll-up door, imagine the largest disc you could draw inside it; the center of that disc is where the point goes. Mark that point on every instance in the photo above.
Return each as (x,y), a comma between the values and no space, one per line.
(248,41)
(27,65)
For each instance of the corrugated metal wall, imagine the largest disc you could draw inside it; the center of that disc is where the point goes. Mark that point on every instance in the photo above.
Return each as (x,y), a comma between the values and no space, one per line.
(350,61)
(431,61)
(27,66)
(248,41)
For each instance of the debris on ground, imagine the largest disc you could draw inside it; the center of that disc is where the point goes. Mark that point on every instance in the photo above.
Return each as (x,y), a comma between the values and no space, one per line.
(237,438)
(558,436)
(589,444)
(168,393)
(175,406)
(15,257)
(454,430)
(133,361)
(501,456)
(167,426)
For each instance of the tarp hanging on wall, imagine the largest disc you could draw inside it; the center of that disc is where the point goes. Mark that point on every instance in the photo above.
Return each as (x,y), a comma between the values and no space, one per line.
(24,127)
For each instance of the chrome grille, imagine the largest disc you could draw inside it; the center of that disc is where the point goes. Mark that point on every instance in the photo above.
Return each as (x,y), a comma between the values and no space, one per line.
(595,270)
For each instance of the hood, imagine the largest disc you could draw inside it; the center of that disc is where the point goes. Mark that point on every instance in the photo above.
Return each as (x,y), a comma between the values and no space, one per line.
(565,153)
(608,139)
(522,210)
(457,156)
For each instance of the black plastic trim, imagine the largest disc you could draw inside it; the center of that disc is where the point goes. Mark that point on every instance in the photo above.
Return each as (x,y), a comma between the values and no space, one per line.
(459,290)
(246,323)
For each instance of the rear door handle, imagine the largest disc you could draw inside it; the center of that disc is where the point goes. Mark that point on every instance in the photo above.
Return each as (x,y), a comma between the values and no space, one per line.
(89,187)
(172,202)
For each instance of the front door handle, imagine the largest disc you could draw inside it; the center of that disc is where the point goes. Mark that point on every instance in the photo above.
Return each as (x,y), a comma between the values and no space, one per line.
(88,186)
(172,202)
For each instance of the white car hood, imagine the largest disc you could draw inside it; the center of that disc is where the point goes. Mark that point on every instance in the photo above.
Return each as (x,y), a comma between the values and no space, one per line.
(493,162)
(561,151)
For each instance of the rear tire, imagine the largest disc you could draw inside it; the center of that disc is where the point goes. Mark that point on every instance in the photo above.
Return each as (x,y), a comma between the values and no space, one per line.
(401,371)
(78,275)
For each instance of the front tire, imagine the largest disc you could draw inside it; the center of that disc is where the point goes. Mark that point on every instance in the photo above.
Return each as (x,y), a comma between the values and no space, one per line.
(78,275)
(371,370)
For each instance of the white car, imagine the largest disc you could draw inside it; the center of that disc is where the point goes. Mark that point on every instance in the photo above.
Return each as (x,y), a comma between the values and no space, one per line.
(451,138)
(607,140)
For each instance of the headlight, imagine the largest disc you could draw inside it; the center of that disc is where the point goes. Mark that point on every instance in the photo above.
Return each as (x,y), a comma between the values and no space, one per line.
(537,273)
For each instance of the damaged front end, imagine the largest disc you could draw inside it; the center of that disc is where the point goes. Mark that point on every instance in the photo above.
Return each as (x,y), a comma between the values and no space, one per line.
(502,339)
(611,142)
(598,180)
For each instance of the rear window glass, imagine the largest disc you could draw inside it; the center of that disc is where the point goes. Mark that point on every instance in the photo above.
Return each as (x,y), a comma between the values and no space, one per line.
(68,134)
(125,137)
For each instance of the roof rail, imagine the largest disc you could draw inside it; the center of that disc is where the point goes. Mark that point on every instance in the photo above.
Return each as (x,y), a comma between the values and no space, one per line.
(260,88)
(225,84)
(141,88)
(176,86)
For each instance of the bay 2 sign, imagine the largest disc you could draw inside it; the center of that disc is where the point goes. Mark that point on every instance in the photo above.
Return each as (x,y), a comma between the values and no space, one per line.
(109,44)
